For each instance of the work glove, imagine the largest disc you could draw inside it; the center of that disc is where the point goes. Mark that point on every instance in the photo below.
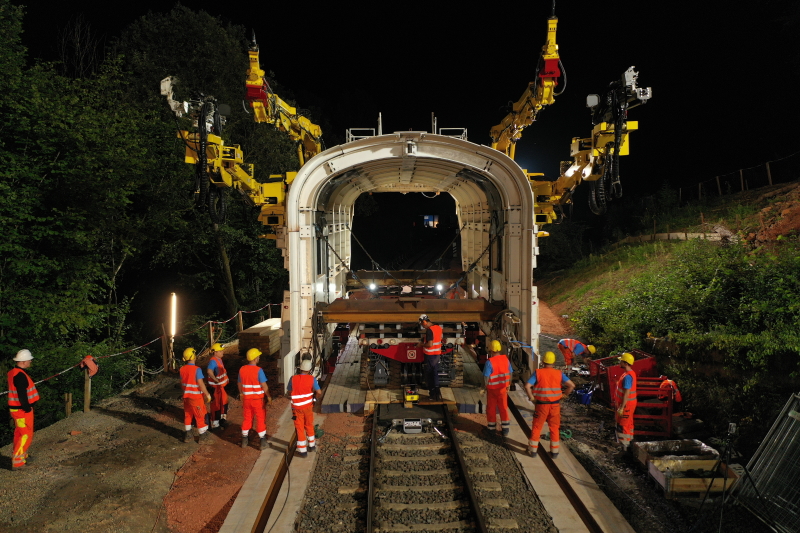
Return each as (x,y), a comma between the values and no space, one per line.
(482,392)
(620,411)
(269,399)
(208,398)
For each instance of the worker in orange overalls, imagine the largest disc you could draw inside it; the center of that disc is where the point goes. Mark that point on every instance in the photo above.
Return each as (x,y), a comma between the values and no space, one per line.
(22,394)
(545,389)
(497,374)
(195,397)
(571,348)
(252,390)
(625,401)
(431,344)
(217,379)
(303,388)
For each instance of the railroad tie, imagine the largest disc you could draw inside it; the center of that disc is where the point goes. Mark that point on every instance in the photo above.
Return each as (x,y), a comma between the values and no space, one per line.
(423,506)
(458,526)
(419,488)
(415,447)
(488,485)
(503,523)
(495,502)
(396,473)
(487,470)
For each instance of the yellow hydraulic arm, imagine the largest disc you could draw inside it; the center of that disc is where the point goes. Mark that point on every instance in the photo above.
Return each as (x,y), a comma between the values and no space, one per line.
(268,107)
(596,158)
(540,92)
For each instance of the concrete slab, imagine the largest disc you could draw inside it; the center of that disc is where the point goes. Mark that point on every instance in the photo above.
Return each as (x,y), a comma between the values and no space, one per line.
(564,516)
(248,505)
(290,499)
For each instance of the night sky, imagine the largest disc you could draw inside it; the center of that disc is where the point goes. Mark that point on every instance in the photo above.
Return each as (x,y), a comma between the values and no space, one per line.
(723,77)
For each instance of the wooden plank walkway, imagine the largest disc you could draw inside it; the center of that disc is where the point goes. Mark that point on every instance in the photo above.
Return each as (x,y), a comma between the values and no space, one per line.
(344,394)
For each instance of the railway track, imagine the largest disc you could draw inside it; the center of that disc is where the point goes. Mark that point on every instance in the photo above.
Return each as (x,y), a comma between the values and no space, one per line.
(426,481)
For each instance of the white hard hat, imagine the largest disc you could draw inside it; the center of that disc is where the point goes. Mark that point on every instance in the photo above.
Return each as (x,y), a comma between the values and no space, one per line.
(424,318)
(23,355)
(305,365)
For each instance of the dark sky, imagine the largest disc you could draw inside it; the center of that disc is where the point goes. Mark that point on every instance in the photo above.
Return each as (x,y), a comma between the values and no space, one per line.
(724,78)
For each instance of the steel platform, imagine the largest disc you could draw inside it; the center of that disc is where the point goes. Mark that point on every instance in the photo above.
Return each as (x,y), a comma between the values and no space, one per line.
(344,395)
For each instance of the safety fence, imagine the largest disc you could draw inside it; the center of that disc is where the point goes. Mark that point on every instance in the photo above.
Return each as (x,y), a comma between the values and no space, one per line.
(87,362)
(782,170)
(771,488)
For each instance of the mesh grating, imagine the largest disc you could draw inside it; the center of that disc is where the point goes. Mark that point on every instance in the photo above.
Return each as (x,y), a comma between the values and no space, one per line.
(774,494)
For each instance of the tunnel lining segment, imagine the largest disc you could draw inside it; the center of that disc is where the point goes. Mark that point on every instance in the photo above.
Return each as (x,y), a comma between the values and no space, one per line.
(491,193)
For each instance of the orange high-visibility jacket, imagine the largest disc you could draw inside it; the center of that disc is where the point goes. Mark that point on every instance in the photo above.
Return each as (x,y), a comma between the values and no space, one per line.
(436,345)
(621,391)
(547,388)
(220,372)
(189,381)
(13,394)
(302,390)
(500,377)
(251,388)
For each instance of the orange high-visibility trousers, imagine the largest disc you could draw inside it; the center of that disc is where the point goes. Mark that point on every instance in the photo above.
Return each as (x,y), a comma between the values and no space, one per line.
(304,424)
(497,399)
(194,409)
(219,402)
(550,413)
(23,435)
(254,407)
(625,424)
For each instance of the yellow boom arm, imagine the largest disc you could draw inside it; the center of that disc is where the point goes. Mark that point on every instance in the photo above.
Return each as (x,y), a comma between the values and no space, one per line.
(540,92)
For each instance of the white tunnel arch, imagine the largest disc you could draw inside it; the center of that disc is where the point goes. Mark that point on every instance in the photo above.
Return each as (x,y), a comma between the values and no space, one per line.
(491,192)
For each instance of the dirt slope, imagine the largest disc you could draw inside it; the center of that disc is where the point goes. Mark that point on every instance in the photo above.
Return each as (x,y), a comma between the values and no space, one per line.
(122,468)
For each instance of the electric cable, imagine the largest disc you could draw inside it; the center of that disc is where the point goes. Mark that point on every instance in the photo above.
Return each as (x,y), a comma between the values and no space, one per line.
(374,263)
(473,265)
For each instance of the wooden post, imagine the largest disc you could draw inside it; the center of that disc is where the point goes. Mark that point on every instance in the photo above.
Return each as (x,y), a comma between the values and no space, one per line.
(164,348)
(719,188)
(741,178)
(141,373)
(702,219)
(241,323)
(87,391)
(269,311)
(68,404)
(769,174)
(210,333)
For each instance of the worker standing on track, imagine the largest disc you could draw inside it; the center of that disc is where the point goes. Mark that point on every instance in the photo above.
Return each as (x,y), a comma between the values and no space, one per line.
(252,390)
(545,388)
(432,348)
(22,394)
(194,392)
(626,400)
(218,379)
(497,379)
(571,348)
(303,388)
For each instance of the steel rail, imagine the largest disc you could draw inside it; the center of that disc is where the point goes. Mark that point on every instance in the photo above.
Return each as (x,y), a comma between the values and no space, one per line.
(573,498)
(473,496)
(373,447)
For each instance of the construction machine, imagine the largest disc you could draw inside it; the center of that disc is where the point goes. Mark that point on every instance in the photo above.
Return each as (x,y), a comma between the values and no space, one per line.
(500,207)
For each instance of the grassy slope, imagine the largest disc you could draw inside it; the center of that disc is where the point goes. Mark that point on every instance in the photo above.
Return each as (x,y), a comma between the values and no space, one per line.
(757,218)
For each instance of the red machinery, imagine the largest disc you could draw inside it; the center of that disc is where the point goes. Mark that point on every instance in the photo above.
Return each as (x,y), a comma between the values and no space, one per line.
(653,416)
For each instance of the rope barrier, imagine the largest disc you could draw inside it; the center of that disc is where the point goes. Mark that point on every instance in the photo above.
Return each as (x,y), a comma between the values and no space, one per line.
(142,346)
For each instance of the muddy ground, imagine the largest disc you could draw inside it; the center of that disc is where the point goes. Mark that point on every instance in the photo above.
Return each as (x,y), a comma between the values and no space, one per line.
(122,468)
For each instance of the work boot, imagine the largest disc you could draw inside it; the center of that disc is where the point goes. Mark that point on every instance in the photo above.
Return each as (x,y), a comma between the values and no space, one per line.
(532,452)
(506,431)
(554,455)
(312,448)
(188,437)
(245,441)
(303,454)
(223,423)
(204,437)
(263,445)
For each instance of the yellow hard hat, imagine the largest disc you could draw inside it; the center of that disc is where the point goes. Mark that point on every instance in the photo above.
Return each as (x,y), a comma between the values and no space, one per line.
(627,357)
(495,346)
(253,354)
(189,354)
(217,347)
(549,358)
(592,349)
